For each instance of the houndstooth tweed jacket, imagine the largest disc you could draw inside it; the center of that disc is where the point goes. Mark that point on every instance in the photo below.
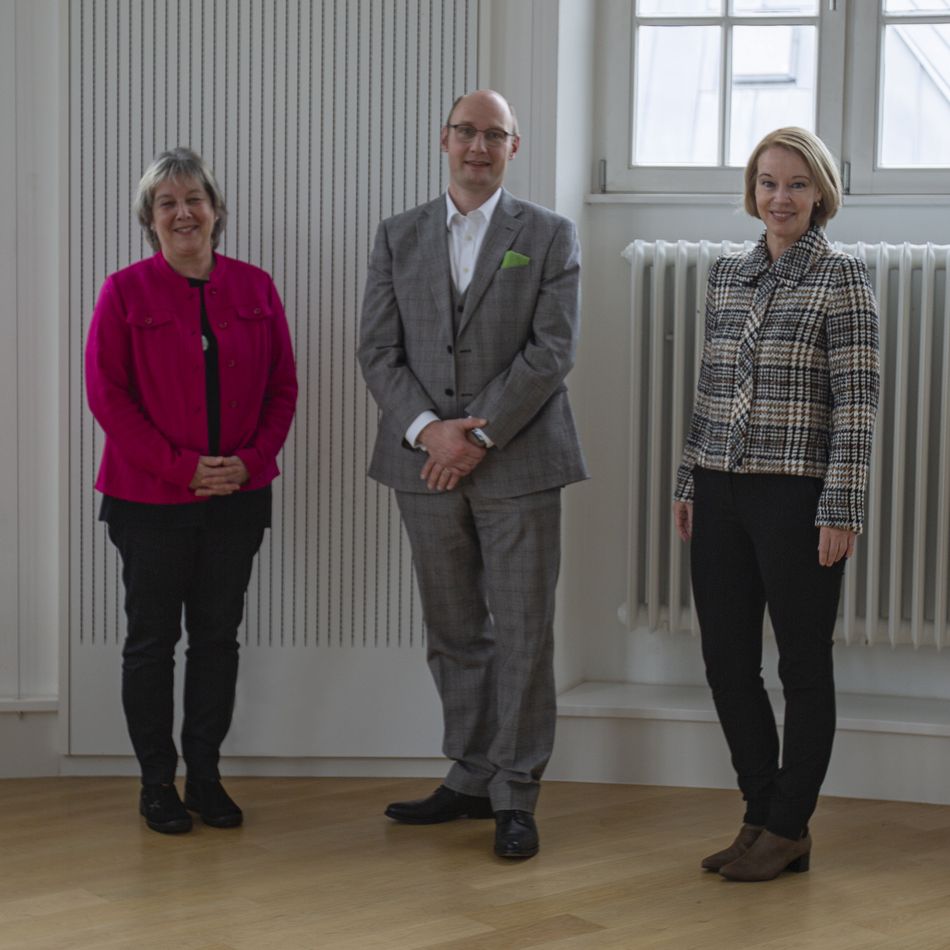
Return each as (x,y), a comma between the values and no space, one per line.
(806,328)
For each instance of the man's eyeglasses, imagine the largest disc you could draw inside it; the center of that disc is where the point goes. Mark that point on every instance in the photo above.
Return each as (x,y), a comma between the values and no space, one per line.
(494,138)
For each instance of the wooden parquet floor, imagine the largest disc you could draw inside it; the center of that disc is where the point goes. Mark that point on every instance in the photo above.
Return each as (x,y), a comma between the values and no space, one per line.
(316,865)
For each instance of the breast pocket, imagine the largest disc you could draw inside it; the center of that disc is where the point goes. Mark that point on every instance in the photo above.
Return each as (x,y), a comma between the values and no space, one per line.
(245,347)
(160,358)
(515,280)
(150,320)
(512,293)
(255,312)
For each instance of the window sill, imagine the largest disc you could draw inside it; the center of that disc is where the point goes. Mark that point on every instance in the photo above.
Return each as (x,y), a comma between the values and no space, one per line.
(735,201)
(31,705)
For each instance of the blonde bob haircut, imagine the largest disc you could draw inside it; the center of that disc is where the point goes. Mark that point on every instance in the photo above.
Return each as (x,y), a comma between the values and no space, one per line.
(176,164)
(821,167)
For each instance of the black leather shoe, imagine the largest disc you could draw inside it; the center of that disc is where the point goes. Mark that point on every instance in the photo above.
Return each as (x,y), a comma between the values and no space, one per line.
(516,834)
(213,803)
(442,805)
(162,809)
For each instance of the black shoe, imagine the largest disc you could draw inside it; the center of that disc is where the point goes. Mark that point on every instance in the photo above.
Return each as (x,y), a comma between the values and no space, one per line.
(442,805)
(516,834)
(162,809)
(213,803)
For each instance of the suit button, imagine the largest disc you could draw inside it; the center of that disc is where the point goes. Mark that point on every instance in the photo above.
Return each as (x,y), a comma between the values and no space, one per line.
(460,307)
(233,404)
(230,364)
(449,348)
(223,324)
(148,320)
(450,392)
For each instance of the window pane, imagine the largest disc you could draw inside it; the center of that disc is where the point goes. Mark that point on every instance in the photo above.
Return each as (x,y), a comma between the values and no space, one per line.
(773,83)
(679,7)
(915,107)
(774,7)
(917,6)
(677,113)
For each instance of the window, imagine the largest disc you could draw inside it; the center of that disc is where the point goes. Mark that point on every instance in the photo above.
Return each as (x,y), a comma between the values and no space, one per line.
(900,137)
(692,85)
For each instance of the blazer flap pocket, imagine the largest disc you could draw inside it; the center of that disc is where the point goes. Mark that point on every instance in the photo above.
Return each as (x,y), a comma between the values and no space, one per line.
(149,318)
(255,312)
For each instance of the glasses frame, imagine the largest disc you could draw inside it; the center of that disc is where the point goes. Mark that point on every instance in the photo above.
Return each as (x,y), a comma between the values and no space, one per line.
(455,126)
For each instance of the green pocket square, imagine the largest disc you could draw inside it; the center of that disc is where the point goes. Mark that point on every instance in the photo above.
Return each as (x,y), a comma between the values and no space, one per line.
(514,259)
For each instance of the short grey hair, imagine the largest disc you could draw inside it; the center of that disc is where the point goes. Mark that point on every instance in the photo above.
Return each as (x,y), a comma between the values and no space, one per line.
(177,163)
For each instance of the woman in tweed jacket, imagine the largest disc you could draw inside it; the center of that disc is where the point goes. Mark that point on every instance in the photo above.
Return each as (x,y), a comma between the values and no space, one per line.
(771,488)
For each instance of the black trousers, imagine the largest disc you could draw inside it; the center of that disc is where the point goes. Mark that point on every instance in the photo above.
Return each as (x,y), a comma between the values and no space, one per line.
(755,544)
(204,570)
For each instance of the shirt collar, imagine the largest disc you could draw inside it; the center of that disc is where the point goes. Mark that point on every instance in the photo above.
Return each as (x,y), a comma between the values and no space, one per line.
(793,264)
(487,209)
(214,278)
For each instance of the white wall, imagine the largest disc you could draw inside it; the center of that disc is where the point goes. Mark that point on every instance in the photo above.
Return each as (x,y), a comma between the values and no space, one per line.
(9,521)
(32,527)
(30,355)
(552,75)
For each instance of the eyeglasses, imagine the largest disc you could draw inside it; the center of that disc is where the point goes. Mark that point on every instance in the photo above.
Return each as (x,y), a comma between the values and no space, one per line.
(494,138)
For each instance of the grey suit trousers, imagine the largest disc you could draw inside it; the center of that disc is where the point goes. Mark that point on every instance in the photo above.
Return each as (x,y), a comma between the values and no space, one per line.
(487,572)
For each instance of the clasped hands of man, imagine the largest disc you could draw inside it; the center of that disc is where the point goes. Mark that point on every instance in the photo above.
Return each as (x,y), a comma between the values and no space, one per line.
(453,454)
(218,475)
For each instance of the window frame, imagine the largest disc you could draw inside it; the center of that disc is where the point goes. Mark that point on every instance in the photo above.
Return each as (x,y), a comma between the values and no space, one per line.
(866,176)
(848,72)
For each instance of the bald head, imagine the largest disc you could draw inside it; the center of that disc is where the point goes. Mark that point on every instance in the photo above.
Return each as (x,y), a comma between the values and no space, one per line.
(485,97)
(479,137)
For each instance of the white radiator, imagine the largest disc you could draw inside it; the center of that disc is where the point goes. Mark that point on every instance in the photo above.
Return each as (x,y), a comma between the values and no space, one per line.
(895,589)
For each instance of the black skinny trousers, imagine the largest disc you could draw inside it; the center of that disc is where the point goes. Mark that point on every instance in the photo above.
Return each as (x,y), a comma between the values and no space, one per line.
(754,544)
(204,570)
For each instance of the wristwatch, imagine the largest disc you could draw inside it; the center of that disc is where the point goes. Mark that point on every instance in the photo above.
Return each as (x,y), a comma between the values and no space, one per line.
(480,437)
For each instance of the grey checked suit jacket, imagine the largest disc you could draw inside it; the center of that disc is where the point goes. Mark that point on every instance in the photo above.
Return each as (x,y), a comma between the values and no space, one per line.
(516,341)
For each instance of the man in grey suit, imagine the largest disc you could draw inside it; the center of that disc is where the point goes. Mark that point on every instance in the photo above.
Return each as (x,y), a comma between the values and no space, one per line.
(469,326)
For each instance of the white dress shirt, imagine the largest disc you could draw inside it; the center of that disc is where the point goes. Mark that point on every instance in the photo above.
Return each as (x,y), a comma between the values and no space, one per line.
(466,234)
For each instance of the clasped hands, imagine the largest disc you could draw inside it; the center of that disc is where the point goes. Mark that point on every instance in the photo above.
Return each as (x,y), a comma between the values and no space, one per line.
(218,475)
(452,455)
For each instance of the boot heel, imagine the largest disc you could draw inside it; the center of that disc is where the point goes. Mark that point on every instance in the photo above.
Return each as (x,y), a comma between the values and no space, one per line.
(800,864)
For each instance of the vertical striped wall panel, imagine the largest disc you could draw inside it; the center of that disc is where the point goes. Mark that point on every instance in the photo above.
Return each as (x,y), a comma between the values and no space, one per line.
(319,118)
(9,490)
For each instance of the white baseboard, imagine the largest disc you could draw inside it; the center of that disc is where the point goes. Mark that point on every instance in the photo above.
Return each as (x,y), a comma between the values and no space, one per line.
(886,747)
(29,739)
(273,766)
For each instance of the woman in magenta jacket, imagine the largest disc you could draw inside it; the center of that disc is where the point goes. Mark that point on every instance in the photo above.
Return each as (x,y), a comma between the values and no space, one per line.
(190,373)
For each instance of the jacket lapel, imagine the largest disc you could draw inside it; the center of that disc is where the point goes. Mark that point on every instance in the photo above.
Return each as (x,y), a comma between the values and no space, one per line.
(434,245)
(502,231)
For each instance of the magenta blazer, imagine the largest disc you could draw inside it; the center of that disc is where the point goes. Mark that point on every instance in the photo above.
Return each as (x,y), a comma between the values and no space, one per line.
(145,377)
